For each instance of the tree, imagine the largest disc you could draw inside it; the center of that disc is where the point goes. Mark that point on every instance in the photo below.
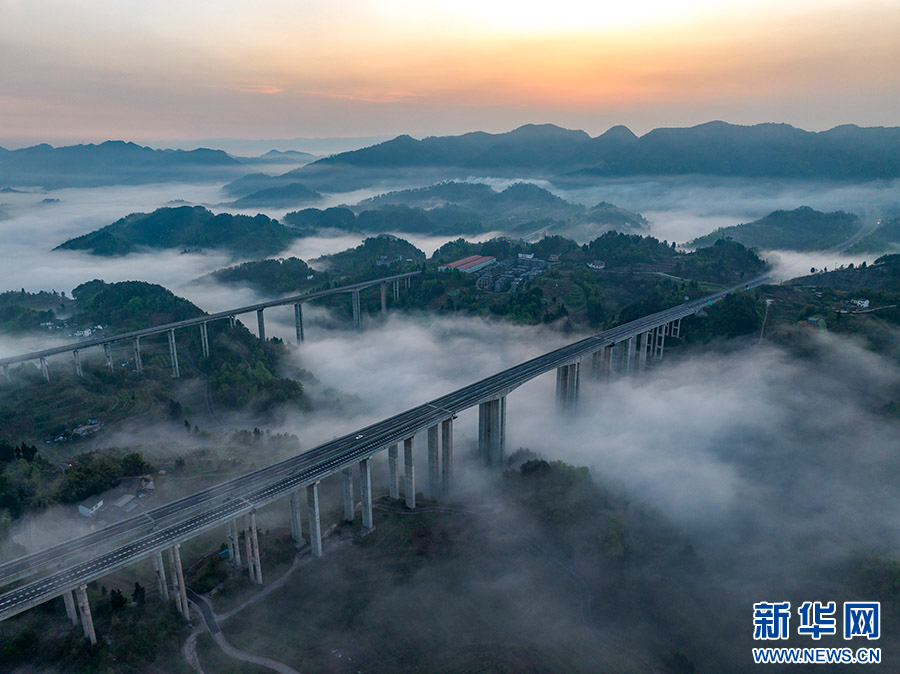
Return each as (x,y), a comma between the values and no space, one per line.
(139,594)
(117,600)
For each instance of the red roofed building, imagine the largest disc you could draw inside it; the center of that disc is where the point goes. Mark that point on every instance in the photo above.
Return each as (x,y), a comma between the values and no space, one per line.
(470,264)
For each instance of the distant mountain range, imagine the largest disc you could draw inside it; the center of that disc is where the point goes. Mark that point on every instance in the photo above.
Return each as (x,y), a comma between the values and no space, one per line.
(111,163)
(716,148)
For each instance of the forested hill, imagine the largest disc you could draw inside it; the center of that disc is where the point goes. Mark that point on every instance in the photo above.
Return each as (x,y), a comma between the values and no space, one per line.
(801,229)
(187,227)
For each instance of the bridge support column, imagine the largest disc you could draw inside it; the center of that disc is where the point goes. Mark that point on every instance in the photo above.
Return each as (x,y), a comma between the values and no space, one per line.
(365,492)
(298,321)
(446,456)
(409,465)
(434,466)
(261,325)
(629,354)
(660,341)
(394,475)
(384,298)
(86,620)
(349,504)
(236,544)
(567,386)
(138,365)
(356,311)
(248,550)
(675,330)
(397,290)
(173,355)
(204,340)
(408,282)
(296,520)
(107,350)
(232,321)
(315,525)
(69,601)
(643,350)
(78,369)
(182,590)
(161,576)
(173,571)
(229,541)
(492,431)
(44,370)
(254,560)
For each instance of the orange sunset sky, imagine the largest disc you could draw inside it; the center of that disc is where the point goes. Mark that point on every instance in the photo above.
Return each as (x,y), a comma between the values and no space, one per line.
(90,70)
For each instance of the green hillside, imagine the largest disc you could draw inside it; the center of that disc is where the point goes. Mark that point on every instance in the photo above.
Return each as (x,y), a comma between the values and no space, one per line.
(801,229)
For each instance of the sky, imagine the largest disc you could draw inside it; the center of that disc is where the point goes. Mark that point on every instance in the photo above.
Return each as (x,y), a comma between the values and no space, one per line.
(90,70)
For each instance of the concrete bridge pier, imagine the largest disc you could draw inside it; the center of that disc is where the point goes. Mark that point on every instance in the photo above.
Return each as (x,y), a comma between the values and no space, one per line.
(161,576)
(315,524)
(365,492)
(178,587)
(138,365)
(630,347)
(107,350)
(248,549)
(601,361)
(44,369)
(492,431)
(643,351)
(254,560)
(447,456)
(410,467)
(434,466)
(397,290)
(87,622)
(394,475)
(173,355)
(232,321)
(261,325)
(384,298)
(204,340)
(408,282)
(78,370)
(296,520)
(69,601)
(349,503)
(675,328)
(298,321)
(660,341)
(356,311)
(236,544)
(567,386)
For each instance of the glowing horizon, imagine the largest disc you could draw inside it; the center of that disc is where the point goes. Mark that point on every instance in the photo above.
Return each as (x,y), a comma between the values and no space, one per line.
(130,70)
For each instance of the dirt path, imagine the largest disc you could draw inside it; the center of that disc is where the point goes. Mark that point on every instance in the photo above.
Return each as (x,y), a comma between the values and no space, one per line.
(211,620)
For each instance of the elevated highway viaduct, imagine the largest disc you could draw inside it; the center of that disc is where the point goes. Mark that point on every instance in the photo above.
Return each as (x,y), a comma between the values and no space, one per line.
(232,505)
(203,321)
